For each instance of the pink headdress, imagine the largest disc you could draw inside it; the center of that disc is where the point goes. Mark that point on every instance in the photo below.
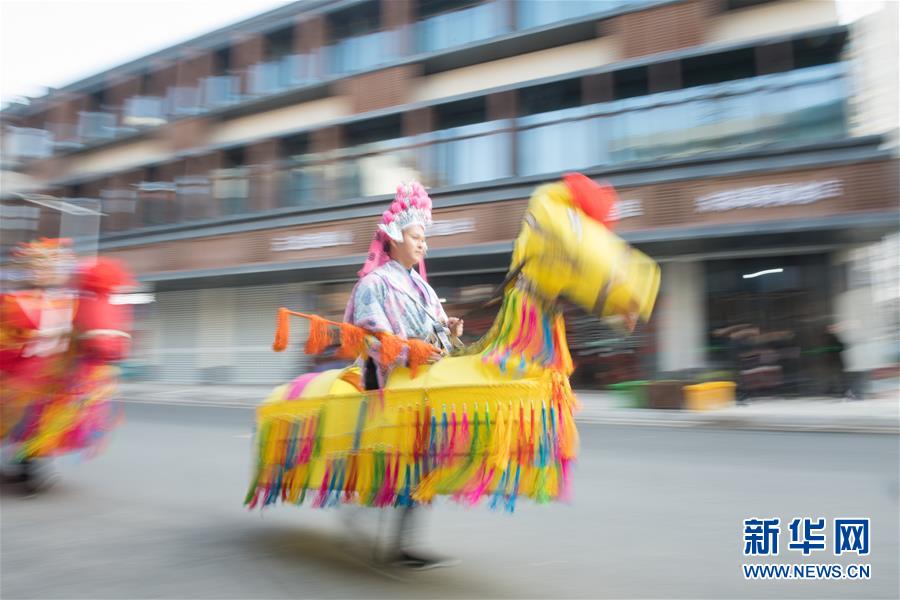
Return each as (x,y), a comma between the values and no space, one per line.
(411,206)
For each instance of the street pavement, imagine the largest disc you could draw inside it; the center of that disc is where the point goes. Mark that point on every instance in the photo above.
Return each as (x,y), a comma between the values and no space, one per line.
(656,512)
(879,413)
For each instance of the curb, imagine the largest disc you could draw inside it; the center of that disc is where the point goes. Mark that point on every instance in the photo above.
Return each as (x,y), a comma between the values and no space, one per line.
(673,420)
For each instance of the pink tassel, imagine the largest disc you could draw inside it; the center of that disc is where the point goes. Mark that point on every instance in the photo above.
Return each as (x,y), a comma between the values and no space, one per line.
(323,489)
(466,489)
(530,329)
(475,495)
(523,320)
(308,441)
(535,345)
(565,488)
(465,434)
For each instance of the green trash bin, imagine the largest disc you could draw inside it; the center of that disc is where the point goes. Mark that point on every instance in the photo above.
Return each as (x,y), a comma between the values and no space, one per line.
(631,394)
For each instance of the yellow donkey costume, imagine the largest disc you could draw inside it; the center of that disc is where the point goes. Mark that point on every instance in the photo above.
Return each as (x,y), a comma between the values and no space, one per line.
(493,421)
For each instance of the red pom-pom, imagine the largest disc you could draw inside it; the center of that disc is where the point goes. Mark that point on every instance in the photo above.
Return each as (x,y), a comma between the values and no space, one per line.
(594,199)
(104,276)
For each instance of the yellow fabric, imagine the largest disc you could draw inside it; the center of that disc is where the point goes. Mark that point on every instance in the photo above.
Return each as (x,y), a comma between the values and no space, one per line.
(568,254)
(454,385)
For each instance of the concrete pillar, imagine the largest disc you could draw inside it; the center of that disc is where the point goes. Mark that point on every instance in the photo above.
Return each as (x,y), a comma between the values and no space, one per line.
(682,324)
(864,301)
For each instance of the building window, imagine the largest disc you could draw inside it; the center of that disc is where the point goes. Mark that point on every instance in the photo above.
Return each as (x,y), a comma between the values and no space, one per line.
(358,43)
(231,184)
(449,24)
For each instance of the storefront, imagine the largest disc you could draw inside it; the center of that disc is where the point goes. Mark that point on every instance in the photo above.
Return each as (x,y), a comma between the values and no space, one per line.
(754,248)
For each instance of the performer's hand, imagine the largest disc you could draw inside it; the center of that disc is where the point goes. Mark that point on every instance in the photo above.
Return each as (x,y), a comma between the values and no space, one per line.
(435,357)
(456,326)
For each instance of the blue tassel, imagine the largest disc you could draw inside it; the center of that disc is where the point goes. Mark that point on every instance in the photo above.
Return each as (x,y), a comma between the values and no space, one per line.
(501,486)
(511,503)
(290,460)
(335,496)
(503,361)
(404,498)
(432,445)
(275,490)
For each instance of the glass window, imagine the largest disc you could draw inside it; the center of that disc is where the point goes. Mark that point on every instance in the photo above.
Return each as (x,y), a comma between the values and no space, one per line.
(461,27)
(361,52)
(231,190)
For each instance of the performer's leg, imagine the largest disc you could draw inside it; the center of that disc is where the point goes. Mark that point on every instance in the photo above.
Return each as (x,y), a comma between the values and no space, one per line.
(405,523)
(26,469)
(399,553)
(404,554)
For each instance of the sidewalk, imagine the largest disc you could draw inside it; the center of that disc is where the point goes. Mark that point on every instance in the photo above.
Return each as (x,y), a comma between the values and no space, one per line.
(876,415)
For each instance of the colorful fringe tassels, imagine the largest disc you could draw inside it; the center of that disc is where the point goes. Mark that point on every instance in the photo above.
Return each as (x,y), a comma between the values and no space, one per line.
(526,336)
(486,451)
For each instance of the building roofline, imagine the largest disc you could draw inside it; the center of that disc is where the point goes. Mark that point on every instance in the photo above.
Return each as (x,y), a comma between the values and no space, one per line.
(263,23)
(260,23)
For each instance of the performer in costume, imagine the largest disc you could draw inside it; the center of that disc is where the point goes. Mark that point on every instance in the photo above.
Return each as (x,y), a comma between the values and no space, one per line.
(392,298)
(492,422)
(56,340)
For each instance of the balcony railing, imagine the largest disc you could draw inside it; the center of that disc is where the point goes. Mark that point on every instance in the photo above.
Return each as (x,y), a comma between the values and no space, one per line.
(802,106)
(94,126)
(288,72)
(461,27)
(798,106)
(231,190)
(143,111)
(183,101)
(362,52)
(26,143)
(457,156)
(221,90)
(265,78)
(470,154)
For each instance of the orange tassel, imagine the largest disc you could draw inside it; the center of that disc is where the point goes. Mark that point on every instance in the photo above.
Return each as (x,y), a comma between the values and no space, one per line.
(352,341)
(391,347)
(419,353)
(319,336)
(282,330)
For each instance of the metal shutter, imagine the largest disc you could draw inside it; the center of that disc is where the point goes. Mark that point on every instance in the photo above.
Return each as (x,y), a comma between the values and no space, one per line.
(254,326)
(176,318)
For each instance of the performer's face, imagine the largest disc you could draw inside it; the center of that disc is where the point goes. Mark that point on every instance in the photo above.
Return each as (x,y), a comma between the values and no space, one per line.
(413,248)
(49,276)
